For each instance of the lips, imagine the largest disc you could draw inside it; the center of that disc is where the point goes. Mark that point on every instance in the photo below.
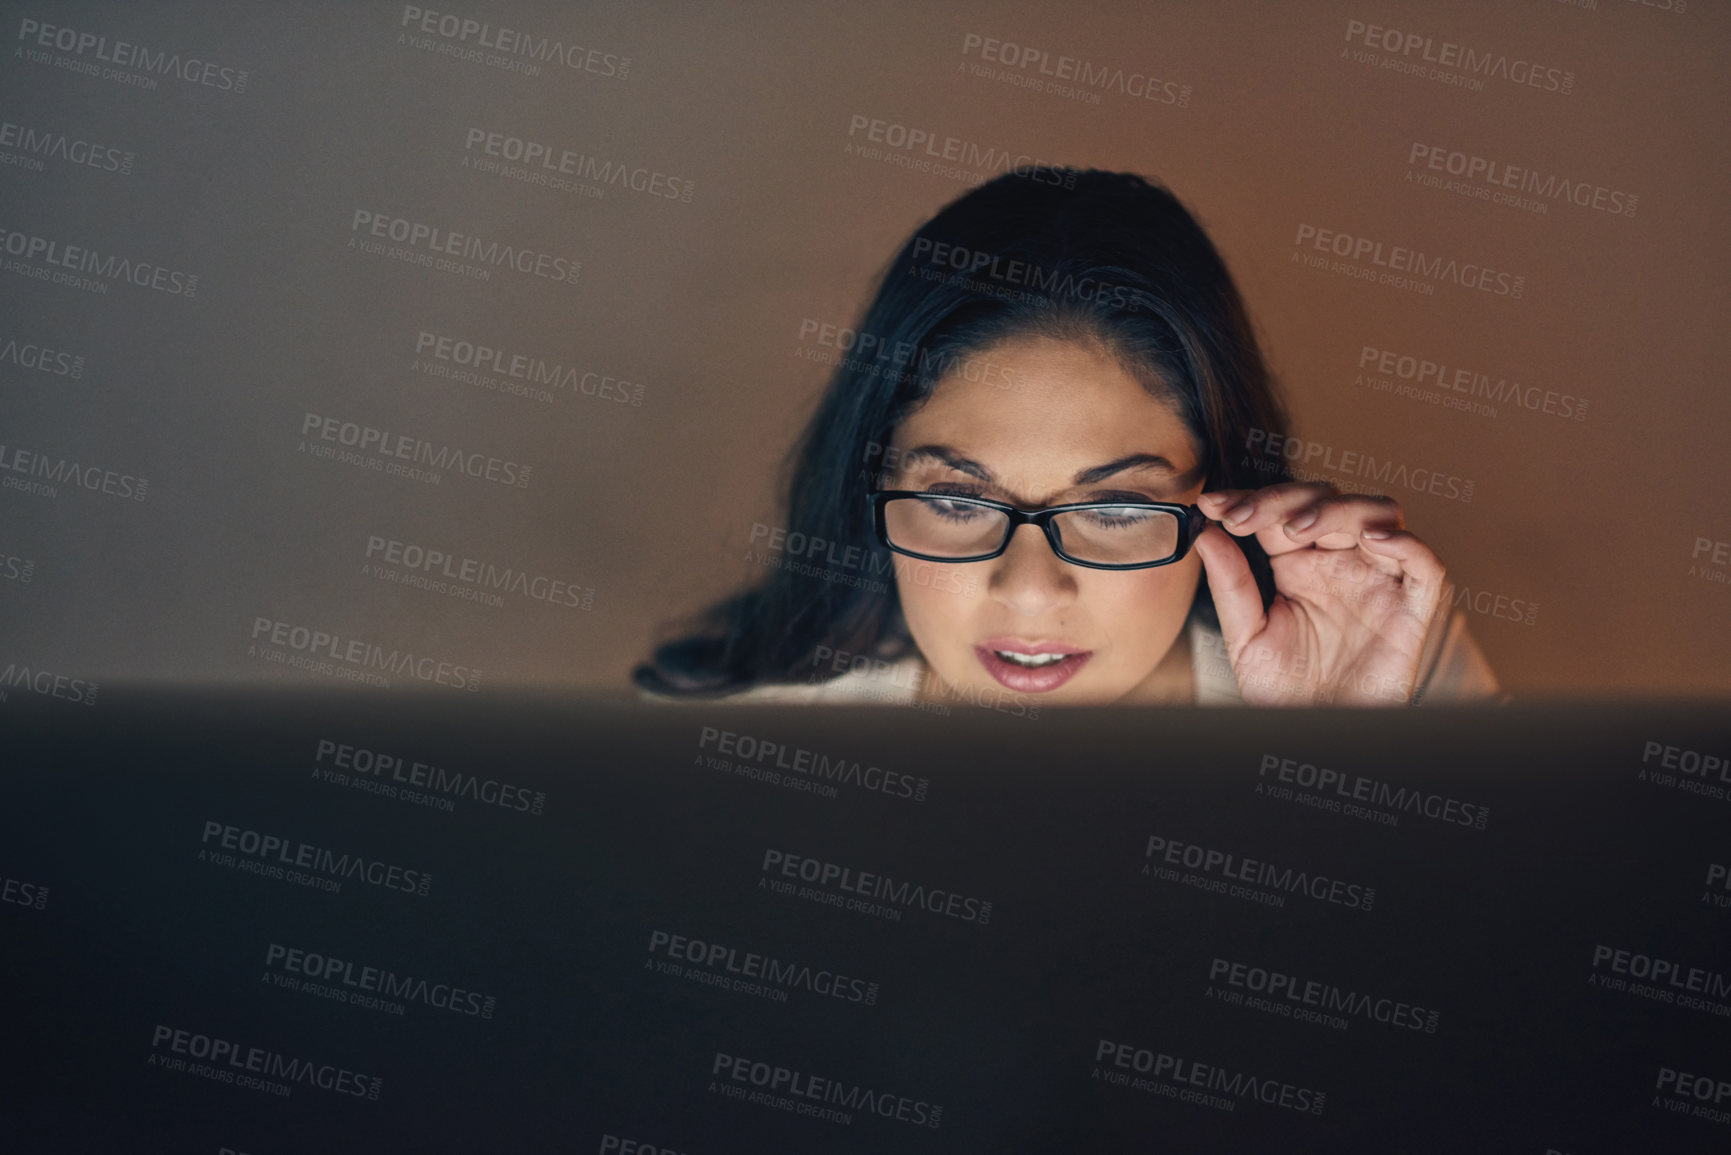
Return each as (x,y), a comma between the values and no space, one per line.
(1031,667)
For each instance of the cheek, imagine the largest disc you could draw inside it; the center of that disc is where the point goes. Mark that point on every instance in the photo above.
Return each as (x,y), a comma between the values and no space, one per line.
(936,599)
(1135,607)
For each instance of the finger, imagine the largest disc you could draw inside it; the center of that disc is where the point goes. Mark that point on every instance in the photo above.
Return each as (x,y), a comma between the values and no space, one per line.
(1334,522)
(1422,572)
(1218,501)
(1237,601)
(1260,508)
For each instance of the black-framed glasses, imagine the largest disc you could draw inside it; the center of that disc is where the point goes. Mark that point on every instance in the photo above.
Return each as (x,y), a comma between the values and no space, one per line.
(1097,534)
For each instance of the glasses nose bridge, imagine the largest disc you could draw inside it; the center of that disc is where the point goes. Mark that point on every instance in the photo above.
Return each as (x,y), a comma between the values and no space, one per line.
(1040,519)
(1028,577)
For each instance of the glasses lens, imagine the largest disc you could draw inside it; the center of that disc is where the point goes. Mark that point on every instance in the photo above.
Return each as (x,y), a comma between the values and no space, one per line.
(939,526)
(1118,535)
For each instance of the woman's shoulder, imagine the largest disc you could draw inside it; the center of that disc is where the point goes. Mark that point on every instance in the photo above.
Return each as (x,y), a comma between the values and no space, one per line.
(1453,668)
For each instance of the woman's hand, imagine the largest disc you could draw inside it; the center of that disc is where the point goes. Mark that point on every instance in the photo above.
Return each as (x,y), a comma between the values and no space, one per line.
(1355,596)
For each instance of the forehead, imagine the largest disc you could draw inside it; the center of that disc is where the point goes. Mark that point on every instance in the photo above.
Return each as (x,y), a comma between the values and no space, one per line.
(1041,405)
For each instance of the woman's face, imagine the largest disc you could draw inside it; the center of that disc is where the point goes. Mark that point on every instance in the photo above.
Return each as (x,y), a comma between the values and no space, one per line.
(1070,425)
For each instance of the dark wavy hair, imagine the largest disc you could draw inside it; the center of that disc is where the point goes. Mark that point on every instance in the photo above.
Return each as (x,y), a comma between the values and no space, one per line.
(1106,258)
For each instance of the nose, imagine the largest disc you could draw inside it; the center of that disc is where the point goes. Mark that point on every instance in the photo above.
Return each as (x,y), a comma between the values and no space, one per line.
(1029,577)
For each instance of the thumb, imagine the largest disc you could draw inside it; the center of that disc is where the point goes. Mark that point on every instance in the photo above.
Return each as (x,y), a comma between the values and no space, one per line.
(1237,600)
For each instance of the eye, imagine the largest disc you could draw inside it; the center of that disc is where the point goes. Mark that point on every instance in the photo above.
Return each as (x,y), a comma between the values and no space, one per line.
(1120,516)
(952,509)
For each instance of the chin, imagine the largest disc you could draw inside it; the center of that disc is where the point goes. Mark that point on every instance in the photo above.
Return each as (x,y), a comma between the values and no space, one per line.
(1083,696)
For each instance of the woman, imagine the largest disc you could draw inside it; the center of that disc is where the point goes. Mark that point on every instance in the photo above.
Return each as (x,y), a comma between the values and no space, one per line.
(1056,338)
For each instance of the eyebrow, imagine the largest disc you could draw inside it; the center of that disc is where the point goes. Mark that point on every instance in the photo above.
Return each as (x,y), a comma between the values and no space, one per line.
(973,468)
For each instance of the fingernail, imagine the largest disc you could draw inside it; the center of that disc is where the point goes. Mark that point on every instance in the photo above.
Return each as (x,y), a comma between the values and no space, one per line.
(1376,534)
(1237,513)
(1301,523)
